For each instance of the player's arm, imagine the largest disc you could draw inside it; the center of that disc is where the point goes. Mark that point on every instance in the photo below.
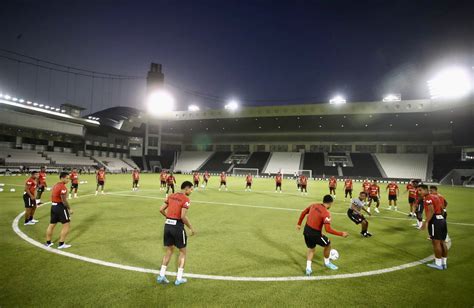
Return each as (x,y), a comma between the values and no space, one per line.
(32,196)
(429,214)
(300,220)
(163,208)
(327,227)
(365,210)
(354,208)
(186,221)
(65,202)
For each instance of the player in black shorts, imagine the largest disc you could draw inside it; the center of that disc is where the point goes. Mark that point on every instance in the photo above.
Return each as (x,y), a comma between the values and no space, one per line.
(354,213)
(419,209)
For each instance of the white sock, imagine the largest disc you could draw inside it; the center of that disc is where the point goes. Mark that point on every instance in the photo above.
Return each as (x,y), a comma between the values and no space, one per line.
(438,262)
(445,261)
(163,270)
(180,273)
(420,223)
(327,261)
(69,196)
(75,195)
(308,265)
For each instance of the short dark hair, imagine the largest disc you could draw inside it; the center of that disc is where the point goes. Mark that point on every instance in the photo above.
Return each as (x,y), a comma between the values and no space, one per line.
(63,174)
(186,184)
(328,199)
(434,187)
(363,193)
(34,172)
(423,186)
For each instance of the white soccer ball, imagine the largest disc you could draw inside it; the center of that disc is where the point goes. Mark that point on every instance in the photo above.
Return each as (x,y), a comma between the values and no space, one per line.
(12,190)
(333,254)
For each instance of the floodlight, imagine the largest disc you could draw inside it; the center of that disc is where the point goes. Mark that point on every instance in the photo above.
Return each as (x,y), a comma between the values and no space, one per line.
(160,102)
(41,105)
(193,108)
(14,99)
(47,107)
(337,100)
(35,104)
(29,102)
(1,95)
(57,109)
(392,98)
(21,100)
(63,111)
(7,96)
(232,105)
(450,83)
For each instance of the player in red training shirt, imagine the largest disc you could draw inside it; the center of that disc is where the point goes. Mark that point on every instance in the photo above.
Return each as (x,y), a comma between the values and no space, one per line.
(170,181)
(366,187)
(412,197)
(163,176)
(135,179)
(347,188)
(374,195)
(205,178)
(278,181)
(393,193)
(29,198)
(332,186)
(100,177)
(303,184)
(74,177)
(248,181)
(175,209)
(318,216)
(41,185)
(223,181)
(434,191)
(196,179)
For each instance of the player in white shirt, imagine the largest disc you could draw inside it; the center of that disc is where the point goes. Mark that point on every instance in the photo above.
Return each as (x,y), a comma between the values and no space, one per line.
(355,213)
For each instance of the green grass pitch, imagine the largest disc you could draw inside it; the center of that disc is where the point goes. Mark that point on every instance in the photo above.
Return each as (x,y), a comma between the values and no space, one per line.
(239,234)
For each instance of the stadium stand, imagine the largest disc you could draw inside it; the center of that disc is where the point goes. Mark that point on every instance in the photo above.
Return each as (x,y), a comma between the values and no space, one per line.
(189,161)
(444,163)
(257,160)
(284,162)
(22,157)
(69,159)
(216,162)
(364,166)
(112,164)
(130,162)
(315,162)
(404,166)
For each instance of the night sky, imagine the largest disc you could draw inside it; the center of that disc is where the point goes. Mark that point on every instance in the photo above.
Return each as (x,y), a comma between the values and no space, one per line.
(261,52)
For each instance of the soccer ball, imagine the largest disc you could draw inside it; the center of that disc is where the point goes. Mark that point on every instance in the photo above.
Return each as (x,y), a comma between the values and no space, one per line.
(333,254)
(12,190)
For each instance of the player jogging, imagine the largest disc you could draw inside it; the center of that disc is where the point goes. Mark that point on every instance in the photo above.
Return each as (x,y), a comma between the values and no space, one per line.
(223,181)
(60,212)
(393,193)
(419,208)
(278,181)
(100,178)
(437,227)
(41,184)
(298,182)
(303,184)
(412,198)
(332,186)
(196,179)
(355,213)
(135,179)
(444,202)
(318,215)
(29,198)
(163,177)
(170,181)
(205,178)
(175,210)
(348,189)
(248,180)
(366,187)
(74,177)
(374,195)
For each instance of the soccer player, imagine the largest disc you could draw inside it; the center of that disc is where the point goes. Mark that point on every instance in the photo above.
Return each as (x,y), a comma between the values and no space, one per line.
(135,179)
(412,198)
(163,177)
(419,207)
(437,227)
(355,213)
(374,194)
(434,191)
(41,184)
(278,181)
(205,178)
(170,181)
(303,184)
(196,179)
(348,189)
(223,181)
(332,186)
(366,187)
(100,178)
(393,193)
(318,215)
(29,198)
(248,180)
(74,177)
(298,182)
(175,209)
(60,212)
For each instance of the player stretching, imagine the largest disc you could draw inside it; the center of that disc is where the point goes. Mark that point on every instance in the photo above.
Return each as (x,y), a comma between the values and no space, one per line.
(170,181)
(437,227)
(60,212)
(412,200)
(348,189)
(175,210)
(41,184)
(332,186)
(278,180)
(205,178)
(196,180)
(318,215)
(444,202)
(249,180)
(74,177)
(393,193)
(100,178)
(366,188)
(354,213)
(303,184)
(135,179)
(163,177)
(223,181)
(374,195)
(29,198)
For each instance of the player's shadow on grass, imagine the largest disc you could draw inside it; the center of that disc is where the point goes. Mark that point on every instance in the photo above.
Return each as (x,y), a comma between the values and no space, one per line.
(81,228)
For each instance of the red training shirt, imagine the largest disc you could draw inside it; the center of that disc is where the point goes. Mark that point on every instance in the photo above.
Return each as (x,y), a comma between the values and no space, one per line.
(318,215)
(176,202)
(58,190)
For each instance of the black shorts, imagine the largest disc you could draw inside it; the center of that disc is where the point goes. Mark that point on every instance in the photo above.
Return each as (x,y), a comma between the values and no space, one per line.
(278,185)
(223,183)
(392,197)
(357,218)
(163,183)
(437,228)
(171,186)
(419,207)
(411,200)
(74,186)
(348,191)
(374,198)
(314,237)
(135,182)
(59,213)
(40,188)
(303,186)
(174,235)
(196,183)
(29,203)
(100,183)
(248,185)
(205,180)
(332,189)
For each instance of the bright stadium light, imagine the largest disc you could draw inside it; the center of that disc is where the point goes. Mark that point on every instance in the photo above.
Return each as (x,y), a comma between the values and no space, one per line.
(193,108)
(41,105)
(337,100)
(47,107)
(29,102)
(1,95)
(392,98)
(160,102)
(58,110)
(7,96)
(63,111)
(450,83)
(232,105)
(35,104)
(21,100)
(14,99)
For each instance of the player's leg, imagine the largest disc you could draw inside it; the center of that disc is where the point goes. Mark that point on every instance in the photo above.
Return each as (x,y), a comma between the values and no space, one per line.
(32,213)
(102,188)
(326,253)
(64,232)
(49,234)
(97,189)
(309,260)
(365,228)
(350,193)
(181,262)
(27,216)
(164,264)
